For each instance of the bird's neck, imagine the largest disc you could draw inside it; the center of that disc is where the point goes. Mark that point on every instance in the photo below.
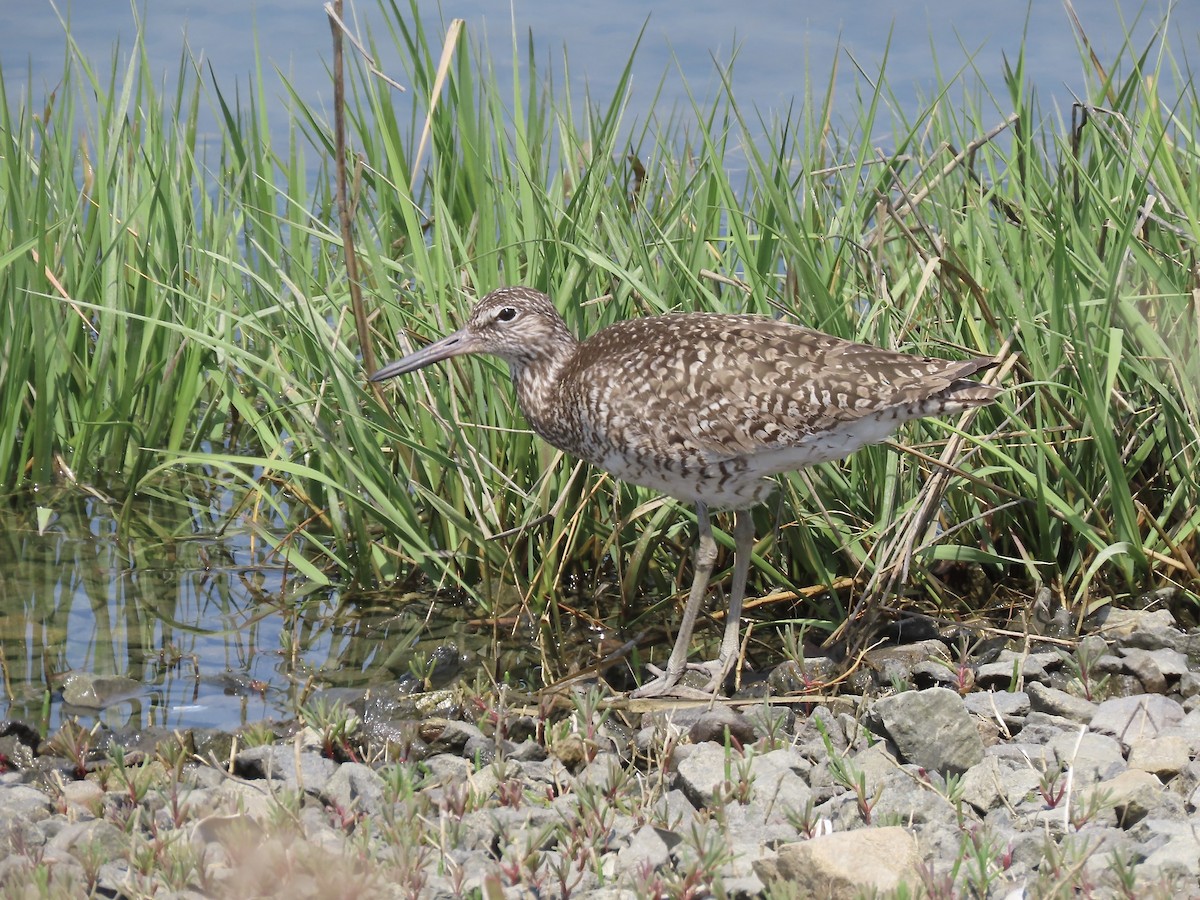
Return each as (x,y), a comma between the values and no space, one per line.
(537,378)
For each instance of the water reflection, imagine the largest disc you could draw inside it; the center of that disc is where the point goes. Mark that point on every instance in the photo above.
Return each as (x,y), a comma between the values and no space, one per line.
(202,621)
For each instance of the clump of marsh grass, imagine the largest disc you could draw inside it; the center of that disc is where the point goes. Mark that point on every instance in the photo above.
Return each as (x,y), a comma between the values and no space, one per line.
(181,321)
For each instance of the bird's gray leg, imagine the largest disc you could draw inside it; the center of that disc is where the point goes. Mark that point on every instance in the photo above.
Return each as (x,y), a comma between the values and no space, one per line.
(706,558)
(743,547)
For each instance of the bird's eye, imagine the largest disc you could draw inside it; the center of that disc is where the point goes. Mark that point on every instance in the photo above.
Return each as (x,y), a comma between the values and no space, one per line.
(507,314)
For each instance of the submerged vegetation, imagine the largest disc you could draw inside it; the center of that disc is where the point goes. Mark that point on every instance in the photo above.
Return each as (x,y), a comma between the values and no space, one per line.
(177,319)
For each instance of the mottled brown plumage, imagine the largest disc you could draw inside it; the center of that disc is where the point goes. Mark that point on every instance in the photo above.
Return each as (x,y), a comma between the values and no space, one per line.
(703,407)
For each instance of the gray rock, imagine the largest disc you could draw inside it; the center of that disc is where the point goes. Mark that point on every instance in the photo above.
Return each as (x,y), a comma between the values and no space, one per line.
(1179,853)
(647,850)
(1059,703)
(1013,669)
(530,824)
(25,802)
(1098,846)
(1089,646)
(877,764)
(778,788)
(1133,795)
(83,796)
(750,827)
(1043,727)
(96,835)
(894,665)
(1189,684)
(931,673)
(604,772)
(1007,707)
(849,864)
(1091,757)
(674,812)
(708,773)
(811,742)
(1119,624)
(1156,639)
(22,810)
(1189,645)
(114,878)
(785,758)
(930,728)
(771,721)
(316,824)
(909,798)
(1165,756)
(650,743)
(526,751)
(746,886)
(839,812)
(1188,728)
(1130,719)
(1155,669)
(305,771)
(354,787)
(544,775)
(1107,664)
(994,782)
(1027,848)
(482,751)
(1003,675)
(858,737)
(446,768)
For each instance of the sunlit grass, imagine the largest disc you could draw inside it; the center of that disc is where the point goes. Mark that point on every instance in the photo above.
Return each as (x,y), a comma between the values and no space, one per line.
(175,307)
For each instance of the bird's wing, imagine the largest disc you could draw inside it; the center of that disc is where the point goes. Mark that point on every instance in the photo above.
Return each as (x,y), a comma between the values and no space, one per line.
(718,387)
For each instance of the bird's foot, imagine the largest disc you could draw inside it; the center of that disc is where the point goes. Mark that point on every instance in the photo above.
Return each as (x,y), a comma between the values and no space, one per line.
(665,687)
(717,671)
(666,683)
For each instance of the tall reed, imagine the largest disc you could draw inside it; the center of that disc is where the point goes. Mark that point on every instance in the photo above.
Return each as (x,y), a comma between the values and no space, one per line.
(176,314)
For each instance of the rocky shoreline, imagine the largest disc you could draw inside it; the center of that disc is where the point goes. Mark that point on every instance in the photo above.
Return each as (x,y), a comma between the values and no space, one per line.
(1021,769)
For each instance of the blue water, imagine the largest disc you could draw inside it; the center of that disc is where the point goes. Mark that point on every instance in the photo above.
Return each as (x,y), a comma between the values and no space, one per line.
(778,47)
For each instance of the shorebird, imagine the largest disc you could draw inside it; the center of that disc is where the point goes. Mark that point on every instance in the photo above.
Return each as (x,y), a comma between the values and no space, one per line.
(705,408)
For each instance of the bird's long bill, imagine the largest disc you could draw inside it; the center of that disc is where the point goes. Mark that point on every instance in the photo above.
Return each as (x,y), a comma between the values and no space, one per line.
(454,344)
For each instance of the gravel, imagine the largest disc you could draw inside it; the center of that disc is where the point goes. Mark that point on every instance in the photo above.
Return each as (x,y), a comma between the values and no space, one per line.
(1014,773)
